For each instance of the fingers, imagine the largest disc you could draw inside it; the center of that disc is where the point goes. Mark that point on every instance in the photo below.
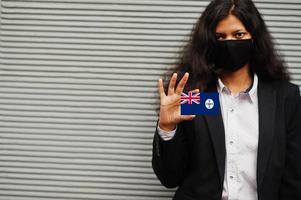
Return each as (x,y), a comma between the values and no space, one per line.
(172,83)
(161,88)
(182,84)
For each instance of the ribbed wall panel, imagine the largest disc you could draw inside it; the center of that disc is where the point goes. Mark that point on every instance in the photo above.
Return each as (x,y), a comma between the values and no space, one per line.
(78,91)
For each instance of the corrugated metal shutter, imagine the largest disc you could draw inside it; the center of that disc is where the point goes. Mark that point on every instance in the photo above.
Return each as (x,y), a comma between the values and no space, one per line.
(78,91)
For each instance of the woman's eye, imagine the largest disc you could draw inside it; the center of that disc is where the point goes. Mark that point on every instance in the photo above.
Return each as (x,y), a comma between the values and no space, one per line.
(239,35)
(219,37)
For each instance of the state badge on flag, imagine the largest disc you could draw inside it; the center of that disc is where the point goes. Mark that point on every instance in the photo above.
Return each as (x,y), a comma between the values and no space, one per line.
(195,103)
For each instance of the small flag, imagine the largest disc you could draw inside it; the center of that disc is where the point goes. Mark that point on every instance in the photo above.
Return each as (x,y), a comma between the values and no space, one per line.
(194,103)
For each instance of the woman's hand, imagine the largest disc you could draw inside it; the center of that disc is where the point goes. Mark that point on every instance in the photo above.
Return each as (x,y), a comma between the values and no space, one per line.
(170,111)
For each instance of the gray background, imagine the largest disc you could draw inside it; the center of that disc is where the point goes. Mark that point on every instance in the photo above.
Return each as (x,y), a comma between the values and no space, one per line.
(78,91)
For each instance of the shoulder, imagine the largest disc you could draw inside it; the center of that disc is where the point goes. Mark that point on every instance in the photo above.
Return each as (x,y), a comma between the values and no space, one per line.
(283,88)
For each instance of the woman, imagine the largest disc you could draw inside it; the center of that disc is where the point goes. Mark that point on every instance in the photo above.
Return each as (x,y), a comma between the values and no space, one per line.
(252,149)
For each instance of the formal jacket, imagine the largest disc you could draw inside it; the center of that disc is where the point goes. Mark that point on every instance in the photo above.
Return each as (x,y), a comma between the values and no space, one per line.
(194,160)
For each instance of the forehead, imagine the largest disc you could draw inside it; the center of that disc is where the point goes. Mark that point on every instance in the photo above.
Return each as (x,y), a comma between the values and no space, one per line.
(229,24)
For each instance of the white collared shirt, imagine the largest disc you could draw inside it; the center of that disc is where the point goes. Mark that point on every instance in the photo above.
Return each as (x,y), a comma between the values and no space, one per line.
(240,118)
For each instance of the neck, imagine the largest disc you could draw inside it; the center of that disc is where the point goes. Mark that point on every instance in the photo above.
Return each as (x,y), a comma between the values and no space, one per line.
(237,81)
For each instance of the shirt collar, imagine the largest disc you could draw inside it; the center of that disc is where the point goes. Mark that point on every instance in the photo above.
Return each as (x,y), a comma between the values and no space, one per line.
(250,91)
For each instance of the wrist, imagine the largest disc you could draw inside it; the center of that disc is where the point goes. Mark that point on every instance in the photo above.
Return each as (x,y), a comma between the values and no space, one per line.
(167,127)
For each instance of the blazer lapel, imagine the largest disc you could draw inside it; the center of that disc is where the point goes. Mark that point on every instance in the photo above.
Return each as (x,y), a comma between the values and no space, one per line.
(266,109)
(216,129)
(217,132)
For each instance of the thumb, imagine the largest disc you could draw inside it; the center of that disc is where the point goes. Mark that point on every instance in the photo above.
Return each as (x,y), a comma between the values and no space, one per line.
(187,117)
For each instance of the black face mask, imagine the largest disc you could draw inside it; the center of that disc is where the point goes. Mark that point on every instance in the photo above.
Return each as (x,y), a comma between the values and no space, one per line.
(232,55)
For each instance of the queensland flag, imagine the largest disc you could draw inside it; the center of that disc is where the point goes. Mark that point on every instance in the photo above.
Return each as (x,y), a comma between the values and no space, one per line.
(205,103)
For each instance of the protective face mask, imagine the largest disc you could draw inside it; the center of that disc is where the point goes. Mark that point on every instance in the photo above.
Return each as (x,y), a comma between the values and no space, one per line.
(233,54)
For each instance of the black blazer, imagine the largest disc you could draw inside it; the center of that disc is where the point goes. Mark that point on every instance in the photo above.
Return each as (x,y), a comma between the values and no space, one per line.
(194,160)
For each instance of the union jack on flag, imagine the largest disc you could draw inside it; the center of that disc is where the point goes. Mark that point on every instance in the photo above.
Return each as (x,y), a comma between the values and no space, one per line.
(205,103)
(190,98)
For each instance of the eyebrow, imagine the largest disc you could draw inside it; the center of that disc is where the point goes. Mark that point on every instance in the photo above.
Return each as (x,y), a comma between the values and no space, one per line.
(238,30)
